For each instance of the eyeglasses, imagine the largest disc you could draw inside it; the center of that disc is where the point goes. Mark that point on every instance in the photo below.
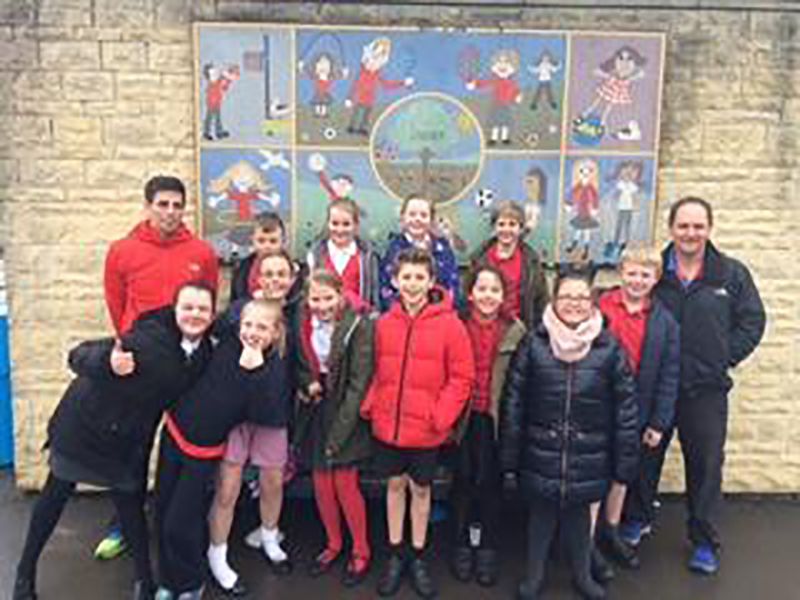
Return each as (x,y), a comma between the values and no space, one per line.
(574,299)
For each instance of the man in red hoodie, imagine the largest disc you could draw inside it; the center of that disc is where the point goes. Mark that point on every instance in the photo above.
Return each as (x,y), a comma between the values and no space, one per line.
(143,271)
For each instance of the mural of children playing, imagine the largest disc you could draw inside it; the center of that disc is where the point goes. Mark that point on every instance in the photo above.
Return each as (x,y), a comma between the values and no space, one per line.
(584,202)
(218,82)
(363,94)
(617,74)
(338,187)
(627,181)
(505,93)
(544,70)
(245,188)
(324,71)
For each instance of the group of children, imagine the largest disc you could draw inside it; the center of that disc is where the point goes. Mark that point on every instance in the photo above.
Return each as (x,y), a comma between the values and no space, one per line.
(304,370)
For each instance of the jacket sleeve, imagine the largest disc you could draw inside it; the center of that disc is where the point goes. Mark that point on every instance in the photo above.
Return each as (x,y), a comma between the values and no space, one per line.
(748,319)
(460,369)
(373,279)
(541,295)
(666,389)
(386,290)
(347,419)
(512,408)
(91,359)
(211,270)
(264,388)
(626,420)
(115,289)
(239,280)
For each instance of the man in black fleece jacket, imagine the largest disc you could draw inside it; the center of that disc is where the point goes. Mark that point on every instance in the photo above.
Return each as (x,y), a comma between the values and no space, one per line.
(722,319)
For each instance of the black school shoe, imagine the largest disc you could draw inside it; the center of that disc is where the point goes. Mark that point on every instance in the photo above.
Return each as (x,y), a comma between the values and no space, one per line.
(24,589)
(392,576)
(486,567)
(601,570)
(616,549)
(421,579)
(237,590)
(589,589)
(462,564)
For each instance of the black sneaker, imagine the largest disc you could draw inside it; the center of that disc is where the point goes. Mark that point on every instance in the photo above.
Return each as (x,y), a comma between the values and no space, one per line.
(486,567)
(392,575)
(421,579)
(24,589)
(528,589)
(462,564)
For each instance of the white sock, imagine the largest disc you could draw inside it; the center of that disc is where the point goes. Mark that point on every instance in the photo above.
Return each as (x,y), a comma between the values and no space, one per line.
(270,541)
(218,562)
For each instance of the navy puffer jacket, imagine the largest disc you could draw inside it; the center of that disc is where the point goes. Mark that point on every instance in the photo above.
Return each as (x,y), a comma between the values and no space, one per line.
(569,429)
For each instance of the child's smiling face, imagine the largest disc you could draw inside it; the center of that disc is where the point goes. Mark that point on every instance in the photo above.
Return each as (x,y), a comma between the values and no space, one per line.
(487,294)
(324,301)
(624,64)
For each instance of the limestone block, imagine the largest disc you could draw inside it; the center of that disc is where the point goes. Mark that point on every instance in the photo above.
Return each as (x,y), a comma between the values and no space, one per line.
(138,87)
(24,131)
(36,85)
(170,58)
(88,85)
(18,54)
(52,172)
(139,130)
(104,109)
(123,56)
(735,140)
(125,14)
(106,173)
(29,194)
(77,131)
(174,123)
(65,13)
(70,56)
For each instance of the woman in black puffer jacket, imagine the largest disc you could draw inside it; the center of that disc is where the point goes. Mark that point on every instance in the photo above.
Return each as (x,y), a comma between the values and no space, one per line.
(568,427)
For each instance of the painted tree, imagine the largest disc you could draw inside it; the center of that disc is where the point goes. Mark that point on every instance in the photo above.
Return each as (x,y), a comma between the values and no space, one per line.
(425,129)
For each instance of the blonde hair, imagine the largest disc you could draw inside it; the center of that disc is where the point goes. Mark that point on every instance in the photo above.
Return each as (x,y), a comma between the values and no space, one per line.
(241,170)
(274,309)
(646,256)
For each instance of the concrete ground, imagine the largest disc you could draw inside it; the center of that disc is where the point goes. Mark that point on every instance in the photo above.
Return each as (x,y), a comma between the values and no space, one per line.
(761,560)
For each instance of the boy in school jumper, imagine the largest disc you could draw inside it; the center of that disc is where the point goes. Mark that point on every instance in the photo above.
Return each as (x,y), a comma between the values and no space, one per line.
(526,286)
(246,380)
(268,237)
(352,258)
(494,336)
(650,336)
(249,442)
(335,369)
(417,231)
(424,371)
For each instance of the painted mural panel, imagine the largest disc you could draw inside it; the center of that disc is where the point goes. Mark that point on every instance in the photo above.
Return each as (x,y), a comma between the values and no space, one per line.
(291,117)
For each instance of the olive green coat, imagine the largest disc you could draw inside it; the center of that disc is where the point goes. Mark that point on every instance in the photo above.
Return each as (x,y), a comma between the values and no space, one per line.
(332,432)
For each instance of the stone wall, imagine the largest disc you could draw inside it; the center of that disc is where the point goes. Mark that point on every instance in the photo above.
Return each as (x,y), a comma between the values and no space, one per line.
(98,95)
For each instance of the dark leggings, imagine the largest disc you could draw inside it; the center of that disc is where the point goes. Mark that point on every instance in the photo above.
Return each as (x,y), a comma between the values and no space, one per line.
(476,489)
(544,518)
(48,509)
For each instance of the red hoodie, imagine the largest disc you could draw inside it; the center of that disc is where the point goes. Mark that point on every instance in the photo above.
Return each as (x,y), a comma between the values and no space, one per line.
(143,271)
(423,376)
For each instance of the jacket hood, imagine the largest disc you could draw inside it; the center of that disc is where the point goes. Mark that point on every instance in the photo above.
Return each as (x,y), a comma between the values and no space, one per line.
(439,302)
(144,232)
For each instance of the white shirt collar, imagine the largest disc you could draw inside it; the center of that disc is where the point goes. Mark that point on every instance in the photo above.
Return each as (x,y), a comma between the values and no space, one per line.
(188,346)
(341,256)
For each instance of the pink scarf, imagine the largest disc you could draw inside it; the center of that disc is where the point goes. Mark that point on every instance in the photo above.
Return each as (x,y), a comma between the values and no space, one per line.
(571,345)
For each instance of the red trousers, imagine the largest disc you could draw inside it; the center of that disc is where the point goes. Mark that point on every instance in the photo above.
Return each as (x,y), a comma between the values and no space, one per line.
(337,489)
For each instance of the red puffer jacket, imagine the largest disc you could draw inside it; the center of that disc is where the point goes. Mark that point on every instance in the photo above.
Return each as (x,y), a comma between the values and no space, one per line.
(423,376)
